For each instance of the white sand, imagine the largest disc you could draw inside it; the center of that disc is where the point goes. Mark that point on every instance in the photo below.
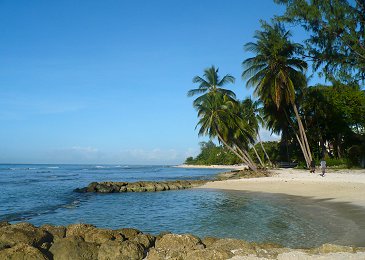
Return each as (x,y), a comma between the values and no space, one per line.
(229,167)
(341,185)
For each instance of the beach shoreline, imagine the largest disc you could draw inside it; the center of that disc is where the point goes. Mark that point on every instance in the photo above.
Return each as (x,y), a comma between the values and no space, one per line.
(338,185)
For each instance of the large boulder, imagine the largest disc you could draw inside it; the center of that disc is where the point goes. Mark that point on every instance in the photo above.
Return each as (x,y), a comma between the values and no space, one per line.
(56,231)
(24,233)
(331,248)
(74,248)
(172,246)
(146,240)
(22,251)
(120,250)
(209,254)
(234,245)
(208,241)
(4,223)
(100,236)
(78,229)
(129,233)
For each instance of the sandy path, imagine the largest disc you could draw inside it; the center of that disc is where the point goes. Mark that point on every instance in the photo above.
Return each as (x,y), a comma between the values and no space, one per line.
(341,185)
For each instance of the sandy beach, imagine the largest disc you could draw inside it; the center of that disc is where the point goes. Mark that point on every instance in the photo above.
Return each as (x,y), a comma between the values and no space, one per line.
(338,185)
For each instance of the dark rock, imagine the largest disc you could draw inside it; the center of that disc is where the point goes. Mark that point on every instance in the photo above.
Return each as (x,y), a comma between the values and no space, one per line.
(24,233)
(22,251)
(117,250)
(74,248)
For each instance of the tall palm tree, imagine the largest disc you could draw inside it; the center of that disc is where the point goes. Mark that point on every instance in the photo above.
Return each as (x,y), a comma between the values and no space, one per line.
(253,112)
(210,82)
(217,118)
(276,73)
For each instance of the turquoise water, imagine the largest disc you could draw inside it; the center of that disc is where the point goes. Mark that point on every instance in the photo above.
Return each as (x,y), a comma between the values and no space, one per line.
(44,194)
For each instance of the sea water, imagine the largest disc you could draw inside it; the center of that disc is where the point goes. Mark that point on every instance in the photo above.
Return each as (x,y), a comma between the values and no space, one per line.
(43,194)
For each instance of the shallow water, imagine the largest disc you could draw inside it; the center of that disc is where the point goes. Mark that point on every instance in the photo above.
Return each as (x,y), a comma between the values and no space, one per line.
(43,194)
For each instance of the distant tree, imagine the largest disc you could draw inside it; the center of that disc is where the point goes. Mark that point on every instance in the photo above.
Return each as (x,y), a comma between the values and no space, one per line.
(337,34)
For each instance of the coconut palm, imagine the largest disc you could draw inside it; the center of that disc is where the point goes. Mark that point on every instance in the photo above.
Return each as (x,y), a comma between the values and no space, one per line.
(253,113)
(210,82)
(218,119)
(276,73)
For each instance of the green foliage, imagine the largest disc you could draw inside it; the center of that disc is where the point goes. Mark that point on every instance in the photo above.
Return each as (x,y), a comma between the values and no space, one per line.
(337,38)
(212,154)
(272,149)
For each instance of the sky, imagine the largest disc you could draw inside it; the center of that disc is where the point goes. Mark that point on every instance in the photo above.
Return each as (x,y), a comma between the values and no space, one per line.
(105,82)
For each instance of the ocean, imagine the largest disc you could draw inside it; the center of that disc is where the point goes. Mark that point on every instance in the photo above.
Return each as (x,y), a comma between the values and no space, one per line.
(42,194)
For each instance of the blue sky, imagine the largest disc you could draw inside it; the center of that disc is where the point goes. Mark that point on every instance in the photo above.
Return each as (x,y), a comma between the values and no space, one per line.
(106,81)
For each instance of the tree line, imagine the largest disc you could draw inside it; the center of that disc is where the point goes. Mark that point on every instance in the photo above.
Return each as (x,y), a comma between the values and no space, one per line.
(314,121)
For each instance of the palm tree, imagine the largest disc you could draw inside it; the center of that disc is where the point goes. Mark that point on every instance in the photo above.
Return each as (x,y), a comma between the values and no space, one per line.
(276,73)
(210,82)
(217,118)
(253,112)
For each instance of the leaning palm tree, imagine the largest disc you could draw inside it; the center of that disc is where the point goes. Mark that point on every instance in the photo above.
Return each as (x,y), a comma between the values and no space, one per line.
(210,82)
(217,119)
(254,111)
(276,73)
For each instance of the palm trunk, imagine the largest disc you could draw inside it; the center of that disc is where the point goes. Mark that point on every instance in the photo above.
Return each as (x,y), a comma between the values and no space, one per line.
(249,157)
(301,129)
(258,157)
(245,155)
(236,153)
(263,148)
(300,141)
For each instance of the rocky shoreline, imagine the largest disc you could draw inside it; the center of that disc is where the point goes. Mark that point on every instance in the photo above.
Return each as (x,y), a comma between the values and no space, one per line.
(152,186)
(140,186)
(86,242)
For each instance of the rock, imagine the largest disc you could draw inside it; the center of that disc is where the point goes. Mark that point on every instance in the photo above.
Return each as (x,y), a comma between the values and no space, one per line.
(92,187)
(123,189)
(146,240)
(234,245)
(24,233)
(126,250)
(209,254)
(99,236)
(4,245)
(78,229)
(56,231)
(330,248)
(74,248)
(104,188)
(22,251)
(172,246)
(208,241)
(4,224)
(179,242)
(129,233)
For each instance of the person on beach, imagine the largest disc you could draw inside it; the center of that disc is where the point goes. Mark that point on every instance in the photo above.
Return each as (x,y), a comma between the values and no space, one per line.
(312,167)
(323,167)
